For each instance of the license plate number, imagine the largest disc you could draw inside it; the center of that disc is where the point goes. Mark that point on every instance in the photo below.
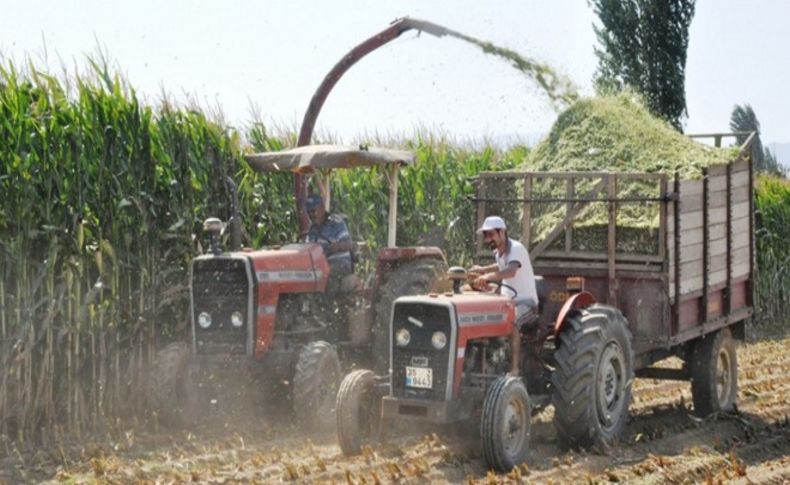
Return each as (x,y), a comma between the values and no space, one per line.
(419,377)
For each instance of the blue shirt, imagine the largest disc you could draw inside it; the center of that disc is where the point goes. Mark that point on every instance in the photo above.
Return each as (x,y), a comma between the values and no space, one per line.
(333,229)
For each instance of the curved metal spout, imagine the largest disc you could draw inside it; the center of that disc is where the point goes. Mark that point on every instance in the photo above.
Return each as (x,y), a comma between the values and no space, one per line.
(395,29)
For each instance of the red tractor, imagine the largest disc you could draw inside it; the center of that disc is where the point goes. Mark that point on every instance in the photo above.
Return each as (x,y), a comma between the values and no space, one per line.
(270,312)
(449,357)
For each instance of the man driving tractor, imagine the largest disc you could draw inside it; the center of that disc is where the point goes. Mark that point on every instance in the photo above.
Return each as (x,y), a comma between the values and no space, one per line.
(513,268)
(331,233)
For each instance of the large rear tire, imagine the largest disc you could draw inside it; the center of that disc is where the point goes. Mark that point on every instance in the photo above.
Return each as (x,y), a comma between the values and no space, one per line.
(505,424)
(358,412)
(173,389)
(415,277)
(315,386)
(714,373)
(593,378)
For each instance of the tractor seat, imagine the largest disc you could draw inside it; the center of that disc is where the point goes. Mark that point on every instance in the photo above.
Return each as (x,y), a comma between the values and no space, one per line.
(529,321)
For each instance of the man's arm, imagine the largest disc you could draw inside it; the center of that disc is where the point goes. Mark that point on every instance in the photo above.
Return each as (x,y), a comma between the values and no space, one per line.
(496,276)
(483,269)
(340,239)
(341,246)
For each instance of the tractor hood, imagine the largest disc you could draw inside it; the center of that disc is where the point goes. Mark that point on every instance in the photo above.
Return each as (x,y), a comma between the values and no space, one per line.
(301,264)
(291,268)
(471,308)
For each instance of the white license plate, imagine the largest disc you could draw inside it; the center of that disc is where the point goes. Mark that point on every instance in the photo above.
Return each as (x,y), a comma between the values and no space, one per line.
(419,377)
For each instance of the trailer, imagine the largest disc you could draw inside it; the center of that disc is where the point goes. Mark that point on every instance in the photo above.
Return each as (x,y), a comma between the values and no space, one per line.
(682,276)
(631,268)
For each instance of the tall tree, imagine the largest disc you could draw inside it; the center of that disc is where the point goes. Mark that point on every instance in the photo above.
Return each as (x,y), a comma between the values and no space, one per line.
(743,120)
(643,46)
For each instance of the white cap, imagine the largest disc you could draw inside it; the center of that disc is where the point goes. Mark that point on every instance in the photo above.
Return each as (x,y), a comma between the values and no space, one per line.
(491,223)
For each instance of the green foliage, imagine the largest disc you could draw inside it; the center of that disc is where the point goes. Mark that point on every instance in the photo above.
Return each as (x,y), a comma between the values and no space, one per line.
(266,200)
(102,198)
(743,120)
(643,45)
(772,203)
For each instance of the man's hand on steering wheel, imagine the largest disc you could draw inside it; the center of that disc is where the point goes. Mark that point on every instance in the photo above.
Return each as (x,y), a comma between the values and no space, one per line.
(482,284)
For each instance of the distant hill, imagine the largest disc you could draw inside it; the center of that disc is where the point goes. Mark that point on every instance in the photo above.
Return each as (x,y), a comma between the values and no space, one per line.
(781,151)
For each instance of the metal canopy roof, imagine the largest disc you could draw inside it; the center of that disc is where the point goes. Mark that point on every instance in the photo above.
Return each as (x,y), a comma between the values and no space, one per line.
(307,159)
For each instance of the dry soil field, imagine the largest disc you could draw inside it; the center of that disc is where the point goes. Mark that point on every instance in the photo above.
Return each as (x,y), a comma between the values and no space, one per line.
(663,443)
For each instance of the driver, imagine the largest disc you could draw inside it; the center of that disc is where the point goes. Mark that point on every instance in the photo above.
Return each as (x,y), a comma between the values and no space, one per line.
(331,232)
(513,268)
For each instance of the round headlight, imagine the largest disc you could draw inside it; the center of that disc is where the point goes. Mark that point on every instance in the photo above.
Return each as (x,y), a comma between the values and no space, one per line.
(236,319)
(204,320)
(439,340)
(402,337)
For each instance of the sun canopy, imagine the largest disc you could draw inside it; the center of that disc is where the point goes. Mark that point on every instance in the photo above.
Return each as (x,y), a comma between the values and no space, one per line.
(308,158)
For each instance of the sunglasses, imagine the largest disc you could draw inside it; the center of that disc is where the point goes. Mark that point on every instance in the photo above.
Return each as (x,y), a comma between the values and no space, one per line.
(488,233)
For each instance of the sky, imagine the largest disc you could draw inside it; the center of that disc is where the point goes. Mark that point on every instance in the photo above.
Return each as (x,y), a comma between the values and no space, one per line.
(269,56)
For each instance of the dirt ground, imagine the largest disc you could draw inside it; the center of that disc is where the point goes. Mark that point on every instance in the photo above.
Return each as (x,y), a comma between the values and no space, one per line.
(663,443)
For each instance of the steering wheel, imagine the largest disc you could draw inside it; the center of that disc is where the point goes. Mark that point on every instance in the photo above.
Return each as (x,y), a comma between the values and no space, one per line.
(499,285)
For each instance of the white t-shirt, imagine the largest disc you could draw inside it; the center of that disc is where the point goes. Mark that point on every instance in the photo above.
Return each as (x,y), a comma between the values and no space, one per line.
(524,280)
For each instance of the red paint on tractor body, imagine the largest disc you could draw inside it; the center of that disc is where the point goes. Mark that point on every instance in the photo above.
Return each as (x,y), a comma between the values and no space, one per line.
(295,268)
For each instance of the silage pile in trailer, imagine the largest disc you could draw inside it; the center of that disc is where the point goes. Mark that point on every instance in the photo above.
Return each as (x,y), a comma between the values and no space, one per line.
(618,134)
(613,134)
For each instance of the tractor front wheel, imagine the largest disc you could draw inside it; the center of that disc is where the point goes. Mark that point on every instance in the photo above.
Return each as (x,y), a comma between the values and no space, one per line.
(358,412)
(714,373)
(315,386)
(593,377)
(505,424)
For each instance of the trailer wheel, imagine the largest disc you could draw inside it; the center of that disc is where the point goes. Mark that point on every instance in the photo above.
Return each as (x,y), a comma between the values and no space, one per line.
(416,277)
(315,386)
(714,373)
(505,424)
(358,412)
(173,390)
(593,377)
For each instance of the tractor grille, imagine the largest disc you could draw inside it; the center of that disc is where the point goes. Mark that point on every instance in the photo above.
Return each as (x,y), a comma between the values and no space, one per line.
(220,286)
(420,352)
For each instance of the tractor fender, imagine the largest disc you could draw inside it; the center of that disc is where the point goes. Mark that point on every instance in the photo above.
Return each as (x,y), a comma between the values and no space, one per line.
(579,300)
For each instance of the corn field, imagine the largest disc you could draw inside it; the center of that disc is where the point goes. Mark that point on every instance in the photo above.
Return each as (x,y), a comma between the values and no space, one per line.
(772,203)
(102,203)
(102,198)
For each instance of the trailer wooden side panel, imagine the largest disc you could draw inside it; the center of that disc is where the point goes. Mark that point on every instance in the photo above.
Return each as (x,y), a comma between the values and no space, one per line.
(690,227)
(715,260)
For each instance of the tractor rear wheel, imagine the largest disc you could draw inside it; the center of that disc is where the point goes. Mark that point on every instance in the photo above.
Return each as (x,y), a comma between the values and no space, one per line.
(315,386)
(714,373)
(358,412)
(593,377)
(173,390)
(415,277)
(505,424)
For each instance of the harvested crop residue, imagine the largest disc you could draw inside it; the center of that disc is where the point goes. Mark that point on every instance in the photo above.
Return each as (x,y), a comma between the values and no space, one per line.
(618,134)
(663,443)
(557,87)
